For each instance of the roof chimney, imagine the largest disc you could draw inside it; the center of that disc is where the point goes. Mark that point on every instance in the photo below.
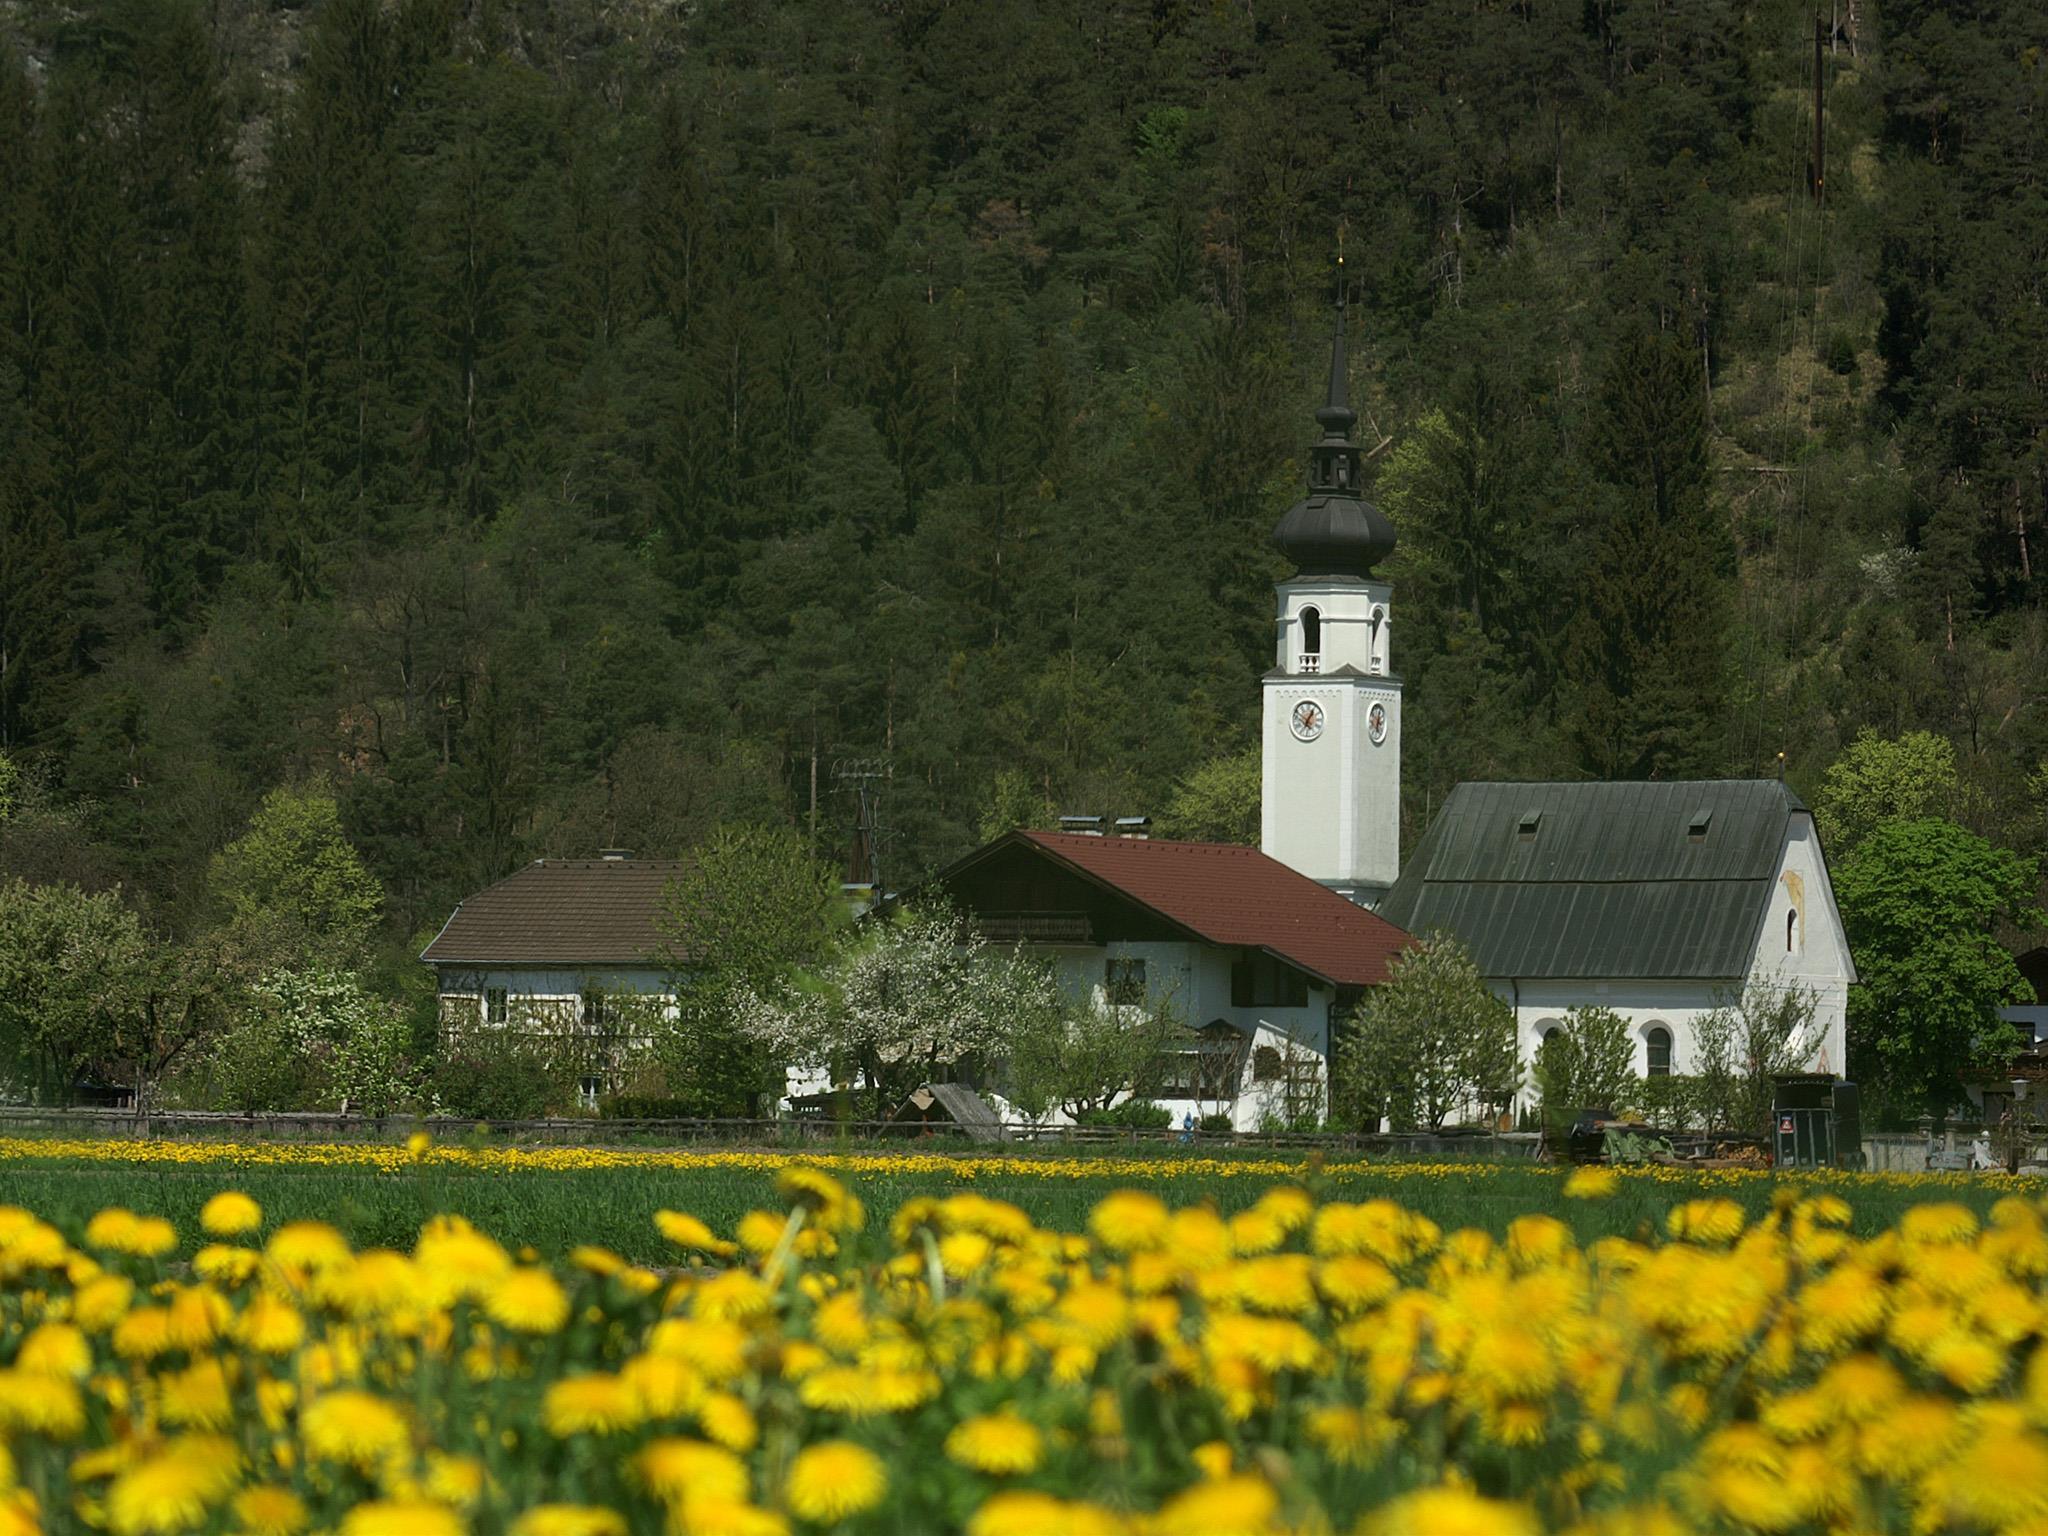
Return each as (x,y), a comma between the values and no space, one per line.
(614,855)
(1087,826)
(1139,827)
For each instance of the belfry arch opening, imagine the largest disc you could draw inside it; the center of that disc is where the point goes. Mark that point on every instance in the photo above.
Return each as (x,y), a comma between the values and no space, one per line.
(1311,639)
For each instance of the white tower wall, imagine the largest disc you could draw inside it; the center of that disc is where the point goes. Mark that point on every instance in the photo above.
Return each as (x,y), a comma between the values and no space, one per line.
(1330,805)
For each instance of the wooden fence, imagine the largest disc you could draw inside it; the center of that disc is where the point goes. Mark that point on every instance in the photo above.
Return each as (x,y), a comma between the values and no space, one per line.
(306,1126)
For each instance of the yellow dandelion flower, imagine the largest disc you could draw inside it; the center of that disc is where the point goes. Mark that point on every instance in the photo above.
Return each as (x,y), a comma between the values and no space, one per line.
(1130,1221)
(353,1426)
(596,1261)
(833,1480)
(824,1197)
(1938,1222)
(226,1265)
(1706,1221)
(230,1214)
(1352,1282)
(270,1326)
(686,1231)
(676,1469)
(1450,1512)
(1969,1362)
(110,1229)
(595,1404)
(729,1422)
(1002,1444)
(174,1490)
(102,1302)
(569,1520)
(1213,1459)
(1037,1514)
(402,1517)
(529,1300)
(303,1248)
(1230,1506)
(40,1405)
(268,1510)
(458,1263)
(759,1231)
(456,1480)
(197,1397)
(1591,1183)
(55,1349)
(662,1386)
(841,1323)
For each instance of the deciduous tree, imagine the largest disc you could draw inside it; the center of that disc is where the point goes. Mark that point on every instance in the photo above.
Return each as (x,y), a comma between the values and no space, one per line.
(1923,903)
(1430,1042)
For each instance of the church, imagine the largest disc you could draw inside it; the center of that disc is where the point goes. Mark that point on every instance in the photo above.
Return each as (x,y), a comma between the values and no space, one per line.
(1658,900)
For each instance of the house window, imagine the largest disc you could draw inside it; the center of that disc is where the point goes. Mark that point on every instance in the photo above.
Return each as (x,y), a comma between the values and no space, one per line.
(495,1007)
(1211,1070)
(1658,1043)
(1259,980)
(1266,1065)
(593,1009)
(1123,982)
(588,1087)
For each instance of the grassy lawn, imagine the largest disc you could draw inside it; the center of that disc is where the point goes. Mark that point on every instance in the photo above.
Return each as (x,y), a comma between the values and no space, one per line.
(553,1199)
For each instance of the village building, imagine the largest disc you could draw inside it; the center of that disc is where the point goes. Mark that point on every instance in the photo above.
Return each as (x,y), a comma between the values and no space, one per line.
(571,949)
(1660,901)
(1258,962)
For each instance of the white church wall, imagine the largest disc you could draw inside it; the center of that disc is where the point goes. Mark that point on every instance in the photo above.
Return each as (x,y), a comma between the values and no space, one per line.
(1675,1005)
(1802,942)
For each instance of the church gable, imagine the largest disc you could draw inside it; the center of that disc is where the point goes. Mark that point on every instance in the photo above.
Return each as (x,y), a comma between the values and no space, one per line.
(1670,880)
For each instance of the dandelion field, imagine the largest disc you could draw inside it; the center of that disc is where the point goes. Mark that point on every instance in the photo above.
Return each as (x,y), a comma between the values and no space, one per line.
(1305,1362)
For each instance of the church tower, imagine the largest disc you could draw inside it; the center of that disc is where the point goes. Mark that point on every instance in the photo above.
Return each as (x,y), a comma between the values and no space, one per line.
(1331,787)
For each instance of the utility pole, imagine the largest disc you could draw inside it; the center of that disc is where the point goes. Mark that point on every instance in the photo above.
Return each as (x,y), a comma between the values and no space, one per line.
(1816,170)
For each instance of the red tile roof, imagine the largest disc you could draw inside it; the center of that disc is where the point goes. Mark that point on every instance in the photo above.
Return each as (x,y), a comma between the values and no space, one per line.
(1238,896)
(561,912)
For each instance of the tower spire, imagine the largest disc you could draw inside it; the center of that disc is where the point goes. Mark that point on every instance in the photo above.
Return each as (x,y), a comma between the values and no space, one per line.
(1334,531)
(1333,464)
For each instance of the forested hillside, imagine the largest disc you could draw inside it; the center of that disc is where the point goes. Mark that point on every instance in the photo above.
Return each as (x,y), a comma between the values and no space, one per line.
(560,426)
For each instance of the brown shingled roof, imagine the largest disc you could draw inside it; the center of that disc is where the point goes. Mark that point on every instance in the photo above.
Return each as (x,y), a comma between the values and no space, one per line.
(1231,895)
(568,912)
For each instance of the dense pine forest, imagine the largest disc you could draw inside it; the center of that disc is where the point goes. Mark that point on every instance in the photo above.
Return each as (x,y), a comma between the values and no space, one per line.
(555,426)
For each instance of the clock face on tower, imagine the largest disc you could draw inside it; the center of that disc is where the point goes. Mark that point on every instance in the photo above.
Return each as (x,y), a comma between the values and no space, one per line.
(1376,722)
(1307,720)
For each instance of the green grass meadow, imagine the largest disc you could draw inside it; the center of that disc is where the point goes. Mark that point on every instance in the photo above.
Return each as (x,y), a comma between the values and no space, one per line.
(555,1209)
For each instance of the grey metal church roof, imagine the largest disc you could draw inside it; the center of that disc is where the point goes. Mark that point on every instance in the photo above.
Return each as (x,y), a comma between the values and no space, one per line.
(1600,880)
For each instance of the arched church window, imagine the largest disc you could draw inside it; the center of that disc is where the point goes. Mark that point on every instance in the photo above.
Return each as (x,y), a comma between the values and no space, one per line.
(1791,930)
(1657,1040)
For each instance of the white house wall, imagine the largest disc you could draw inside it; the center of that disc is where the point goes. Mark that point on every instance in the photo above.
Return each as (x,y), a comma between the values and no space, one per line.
(537,993)
(1194,979)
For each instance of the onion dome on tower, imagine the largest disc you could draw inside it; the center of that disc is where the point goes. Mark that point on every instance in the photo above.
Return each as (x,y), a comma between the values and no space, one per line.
(1334,531)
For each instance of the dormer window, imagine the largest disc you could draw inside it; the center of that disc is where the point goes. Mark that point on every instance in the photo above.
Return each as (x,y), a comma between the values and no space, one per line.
(1696,829)
(1525,829)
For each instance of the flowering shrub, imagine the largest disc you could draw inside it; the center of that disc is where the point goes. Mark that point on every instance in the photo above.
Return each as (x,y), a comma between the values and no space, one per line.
(1296,1367)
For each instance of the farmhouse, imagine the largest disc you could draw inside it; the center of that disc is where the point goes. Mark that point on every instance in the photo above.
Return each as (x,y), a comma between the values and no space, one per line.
(566,947)
(1257,960)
